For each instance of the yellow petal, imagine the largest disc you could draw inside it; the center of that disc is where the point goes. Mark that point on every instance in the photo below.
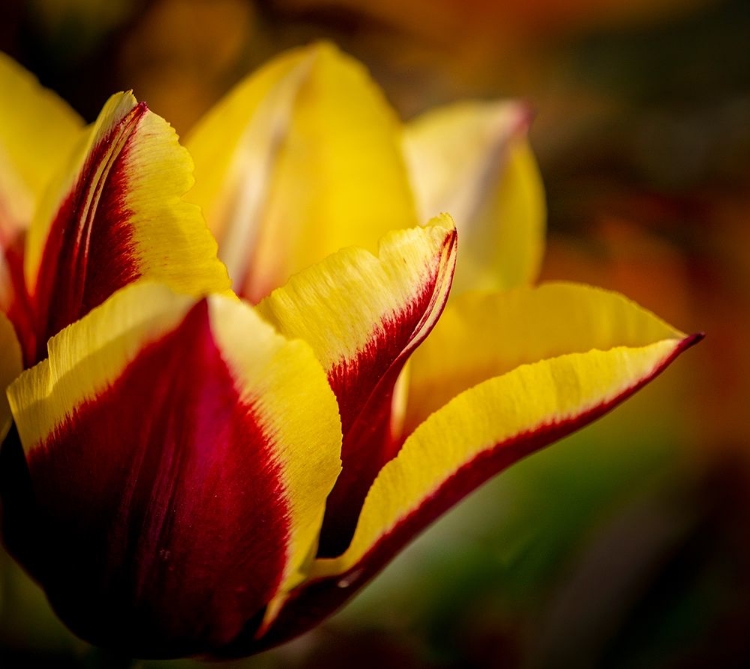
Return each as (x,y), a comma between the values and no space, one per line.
(37,133)
(482,335)
(235,146)
(10,367)
(116,215)
(473,160)
(594,349)
(300,160)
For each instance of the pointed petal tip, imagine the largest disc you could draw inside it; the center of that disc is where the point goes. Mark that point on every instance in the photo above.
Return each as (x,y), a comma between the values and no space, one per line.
(527,112)
(692,340)
(442,220)
(444,223)
(323,46)
(686,342)
(514,114)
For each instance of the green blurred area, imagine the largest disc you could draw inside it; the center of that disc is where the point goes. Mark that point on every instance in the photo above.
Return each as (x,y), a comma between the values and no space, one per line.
(625,545)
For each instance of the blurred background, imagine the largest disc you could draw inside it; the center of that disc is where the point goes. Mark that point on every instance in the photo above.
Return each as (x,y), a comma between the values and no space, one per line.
(628,544)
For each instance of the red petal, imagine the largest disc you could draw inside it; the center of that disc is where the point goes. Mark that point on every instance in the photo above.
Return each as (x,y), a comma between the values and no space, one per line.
(159,520)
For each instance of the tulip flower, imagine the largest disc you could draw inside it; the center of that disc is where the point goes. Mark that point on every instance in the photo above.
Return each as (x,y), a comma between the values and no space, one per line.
(189,473)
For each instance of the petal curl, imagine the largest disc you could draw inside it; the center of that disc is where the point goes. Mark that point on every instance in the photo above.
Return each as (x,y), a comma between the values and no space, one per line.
(495,421)
(363,316)
(472,159)
(180,454)
(115,216)
(38,130)
(300,160)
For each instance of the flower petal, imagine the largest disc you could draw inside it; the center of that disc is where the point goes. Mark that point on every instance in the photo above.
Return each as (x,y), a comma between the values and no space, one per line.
(38,130)
(363,316)
(304,157)
(483,335)
(473,160)
(116,216)
(493,422)
(486,429)
(180,454)
(10,367)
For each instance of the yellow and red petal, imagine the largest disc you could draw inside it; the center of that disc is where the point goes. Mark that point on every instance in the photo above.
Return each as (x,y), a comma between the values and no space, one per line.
(179,454)
(472,159)
(602,348)
(114,216)
(38,130)
(300,160)
(364,316)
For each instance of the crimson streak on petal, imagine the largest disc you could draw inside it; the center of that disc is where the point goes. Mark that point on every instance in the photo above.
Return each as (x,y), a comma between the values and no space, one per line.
(169,521)
(89,253)
(364,389)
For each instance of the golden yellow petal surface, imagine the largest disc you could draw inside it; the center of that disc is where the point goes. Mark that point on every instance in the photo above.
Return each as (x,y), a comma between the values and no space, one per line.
(482,335)
(300,160)
(38,131)
(472,159)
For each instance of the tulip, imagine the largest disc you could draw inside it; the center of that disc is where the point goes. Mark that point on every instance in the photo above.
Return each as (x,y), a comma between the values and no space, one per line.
(188,473)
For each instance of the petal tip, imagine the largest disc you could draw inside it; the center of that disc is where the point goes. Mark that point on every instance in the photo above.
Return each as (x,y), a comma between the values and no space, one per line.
(690,340)
(442,220)
(527,112)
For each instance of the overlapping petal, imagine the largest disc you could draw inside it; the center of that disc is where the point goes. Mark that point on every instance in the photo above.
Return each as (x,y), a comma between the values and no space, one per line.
(303,156)
(38,130)
(472,159)
(172,419)
(509,398)
(362,312)
(114,216)
(510,402)
(364,316)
